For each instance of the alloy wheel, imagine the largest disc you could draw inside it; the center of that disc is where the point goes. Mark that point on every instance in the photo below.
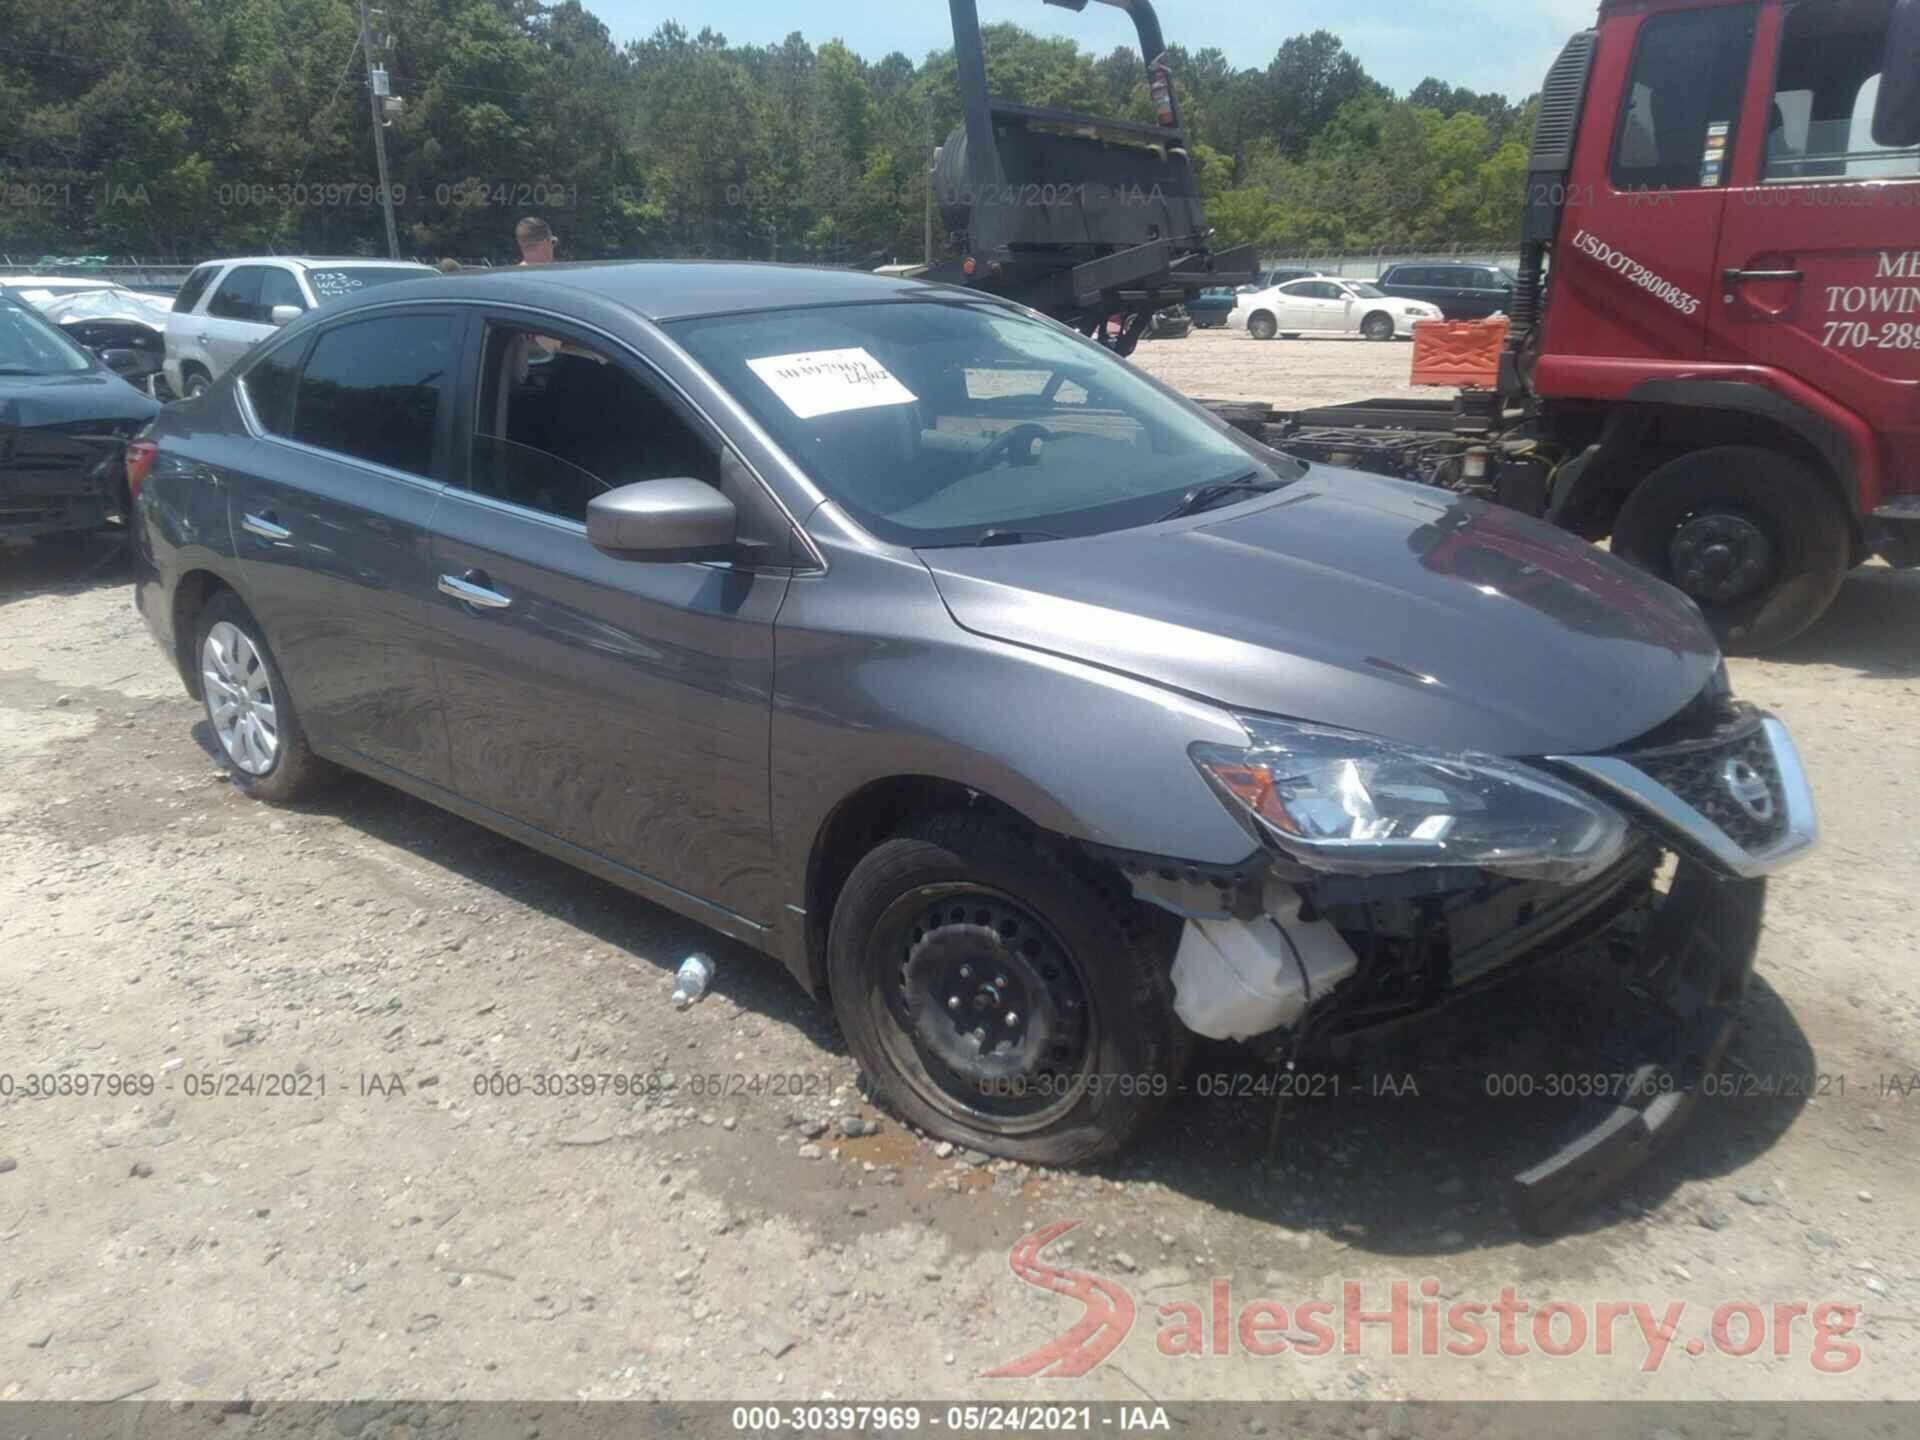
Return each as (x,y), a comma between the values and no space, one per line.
(240,700)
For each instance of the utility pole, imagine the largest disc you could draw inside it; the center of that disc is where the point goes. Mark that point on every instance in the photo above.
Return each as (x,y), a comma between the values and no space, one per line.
(377,89)
(933,175)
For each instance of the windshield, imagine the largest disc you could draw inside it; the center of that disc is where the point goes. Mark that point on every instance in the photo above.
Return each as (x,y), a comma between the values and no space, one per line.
(331,285)
(30,346)
(946,422)
(1366,291)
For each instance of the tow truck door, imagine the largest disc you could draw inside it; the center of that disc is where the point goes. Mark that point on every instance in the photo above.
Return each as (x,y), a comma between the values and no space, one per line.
(1642,208)
(1819,266)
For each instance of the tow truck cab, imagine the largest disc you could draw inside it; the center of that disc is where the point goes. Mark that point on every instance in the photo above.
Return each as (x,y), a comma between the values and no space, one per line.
(1717,326)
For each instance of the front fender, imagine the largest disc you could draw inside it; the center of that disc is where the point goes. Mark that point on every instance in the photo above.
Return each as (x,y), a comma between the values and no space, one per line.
(873,679)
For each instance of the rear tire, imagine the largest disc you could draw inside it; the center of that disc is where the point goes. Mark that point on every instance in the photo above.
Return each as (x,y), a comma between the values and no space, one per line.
(1262,326)
(1752,535)
(960,921)
(248,707)
(197,383)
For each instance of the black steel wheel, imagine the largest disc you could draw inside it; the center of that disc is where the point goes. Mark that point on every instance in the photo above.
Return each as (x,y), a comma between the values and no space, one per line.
(1752,535)
(1001,996)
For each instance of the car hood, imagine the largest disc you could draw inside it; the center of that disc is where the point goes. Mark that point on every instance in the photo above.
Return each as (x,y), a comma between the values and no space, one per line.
(1364,603)
(30,401)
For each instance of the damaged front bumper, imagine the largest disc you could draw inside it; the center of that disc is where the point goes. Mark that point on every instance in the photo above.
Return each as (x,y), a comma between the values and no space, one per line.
(1277,955)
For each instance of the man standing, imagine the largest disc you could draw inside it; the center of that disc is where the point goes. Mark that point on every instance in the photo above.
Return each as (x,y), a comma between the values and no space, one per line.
(536,239)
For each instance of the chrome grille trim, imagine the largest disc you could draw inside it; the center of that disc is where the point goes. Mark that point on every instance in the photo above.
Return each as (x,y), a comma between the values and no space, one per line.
(1626,781)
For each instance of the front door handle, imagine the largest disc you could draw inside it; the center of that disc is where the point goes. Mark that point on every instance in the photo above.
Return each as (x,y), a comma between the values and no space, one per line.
(264,527)
(1734,277)
(470,589)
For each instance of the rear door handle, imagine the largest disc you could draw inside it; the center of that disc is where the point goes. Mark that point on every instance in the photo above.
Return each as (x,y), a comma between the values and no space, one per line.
(264,527)
(472,589)
(1734,277)
(204,336)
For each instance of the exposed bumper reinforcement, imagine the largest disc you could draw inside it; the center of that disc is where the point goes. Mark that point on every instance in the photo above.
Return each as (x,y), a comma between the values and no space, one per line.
(1701,949)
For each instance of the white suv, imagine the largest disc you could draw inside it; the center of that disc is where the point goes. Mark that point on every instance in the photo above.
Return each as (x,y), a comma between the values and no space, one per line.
(228,306)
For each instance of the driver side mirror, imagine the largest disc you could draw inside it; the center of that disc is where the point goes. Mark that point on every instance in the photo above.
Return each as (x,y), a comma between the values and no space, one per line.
(663,520)
(284,314)
(1896,109)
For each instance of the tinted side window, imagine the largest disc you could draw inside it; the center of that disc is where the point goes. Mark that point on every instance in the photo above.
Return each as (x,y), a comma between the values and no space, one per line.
(373,389)
(1682,101)
(270,383)
(238,297)
(189,294)
(278,287)
(559,423)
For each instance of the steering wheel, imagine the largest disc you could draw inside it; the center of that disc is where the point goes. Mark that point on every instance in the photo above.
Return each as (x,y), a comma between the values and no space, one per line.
(1023,434)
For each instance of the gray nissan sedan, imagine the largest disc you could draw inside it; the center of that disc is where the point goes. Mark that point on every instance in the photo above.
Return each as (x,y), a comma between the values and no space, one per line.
(1037,717)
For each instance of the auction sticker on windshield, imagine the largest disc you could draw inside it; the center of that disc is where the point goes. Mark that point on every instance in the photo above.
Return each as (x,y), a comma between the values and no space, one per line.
(825,382)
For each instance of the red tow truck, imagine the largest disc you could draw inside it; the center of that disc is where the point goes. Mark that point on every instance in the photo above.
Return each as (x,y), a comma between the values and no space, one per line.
(1714,353)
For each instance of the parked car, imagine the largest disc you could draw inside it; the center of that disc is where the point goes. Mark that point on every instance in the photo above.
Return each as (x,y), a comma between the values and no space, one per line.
(1327,306)
(1210,308)
(226,307)
(64,419)
(1032,713)
(126,328)
(38,290)
(1462,292)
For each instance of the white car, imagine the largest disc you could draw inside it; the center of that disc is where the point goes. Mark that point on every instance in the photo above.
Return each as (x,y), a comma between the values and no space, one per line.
(41,290)
(226,307)
(1324,305)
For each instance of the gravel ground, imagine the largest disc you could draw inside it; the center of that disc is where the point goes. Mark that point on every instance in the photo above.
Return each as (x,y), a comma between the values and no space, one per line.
(409,1232)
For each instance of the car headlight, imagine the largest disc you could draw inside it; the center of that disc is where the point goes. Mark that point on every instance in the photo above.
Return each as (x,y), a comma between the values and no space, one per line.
(1338,801)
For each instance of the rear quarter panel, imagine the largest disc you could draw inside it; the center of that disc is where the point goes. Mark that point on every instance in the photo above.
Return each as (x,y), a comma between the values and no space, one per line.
(181,524)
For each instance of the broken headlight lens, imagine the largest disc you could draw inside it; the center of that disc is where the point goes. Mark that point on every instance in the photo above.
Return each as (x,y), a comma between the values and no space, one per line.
(1337,801)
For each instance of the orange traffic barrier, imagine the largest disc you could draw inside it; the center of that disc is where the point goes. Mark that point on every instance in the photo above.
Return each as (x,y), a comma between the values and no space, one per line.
(1458,352)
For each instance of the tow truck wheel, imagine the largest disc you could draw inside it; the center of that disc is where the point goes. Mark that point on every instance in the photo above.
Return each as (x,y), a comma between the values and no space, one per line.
(1262,326)
(1002,996)
(1752,535)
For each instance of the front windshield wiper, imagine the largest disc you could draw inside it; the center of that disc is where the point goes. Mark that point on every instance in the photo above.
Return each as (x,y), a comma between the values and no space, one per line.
(1194,501)
(999,536)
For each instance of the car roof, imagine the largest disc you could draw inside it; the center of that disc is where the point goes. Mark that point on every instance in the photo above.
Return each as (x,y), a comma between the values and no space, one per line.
(678,289)
(329,262)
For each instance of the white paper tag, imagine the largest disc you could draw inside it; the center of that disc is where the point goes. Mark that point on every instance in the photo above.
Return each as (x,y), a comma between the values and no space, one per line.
(825,382)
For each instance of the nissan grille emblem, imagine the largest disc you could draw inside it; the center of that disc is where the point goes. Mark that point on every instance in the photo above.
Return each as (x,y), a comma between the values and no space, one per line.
(1748,788)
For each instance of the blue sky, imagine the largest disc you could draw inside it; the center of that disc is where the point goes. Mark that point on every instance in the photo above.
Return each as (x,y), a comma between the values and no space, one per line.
(1503,45)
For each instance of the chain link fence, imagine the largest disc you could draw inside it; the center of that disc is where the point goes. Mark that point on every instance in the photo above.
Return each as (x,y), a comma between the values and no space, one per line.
(1367,264)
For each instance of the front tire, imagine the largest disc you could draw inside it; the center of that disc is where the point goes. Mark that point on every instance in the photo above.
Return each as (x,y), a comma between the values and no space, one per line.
(1262,326)
(1377,326)
(1002,996)
(197,383)
(1752,535)
(248,707)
